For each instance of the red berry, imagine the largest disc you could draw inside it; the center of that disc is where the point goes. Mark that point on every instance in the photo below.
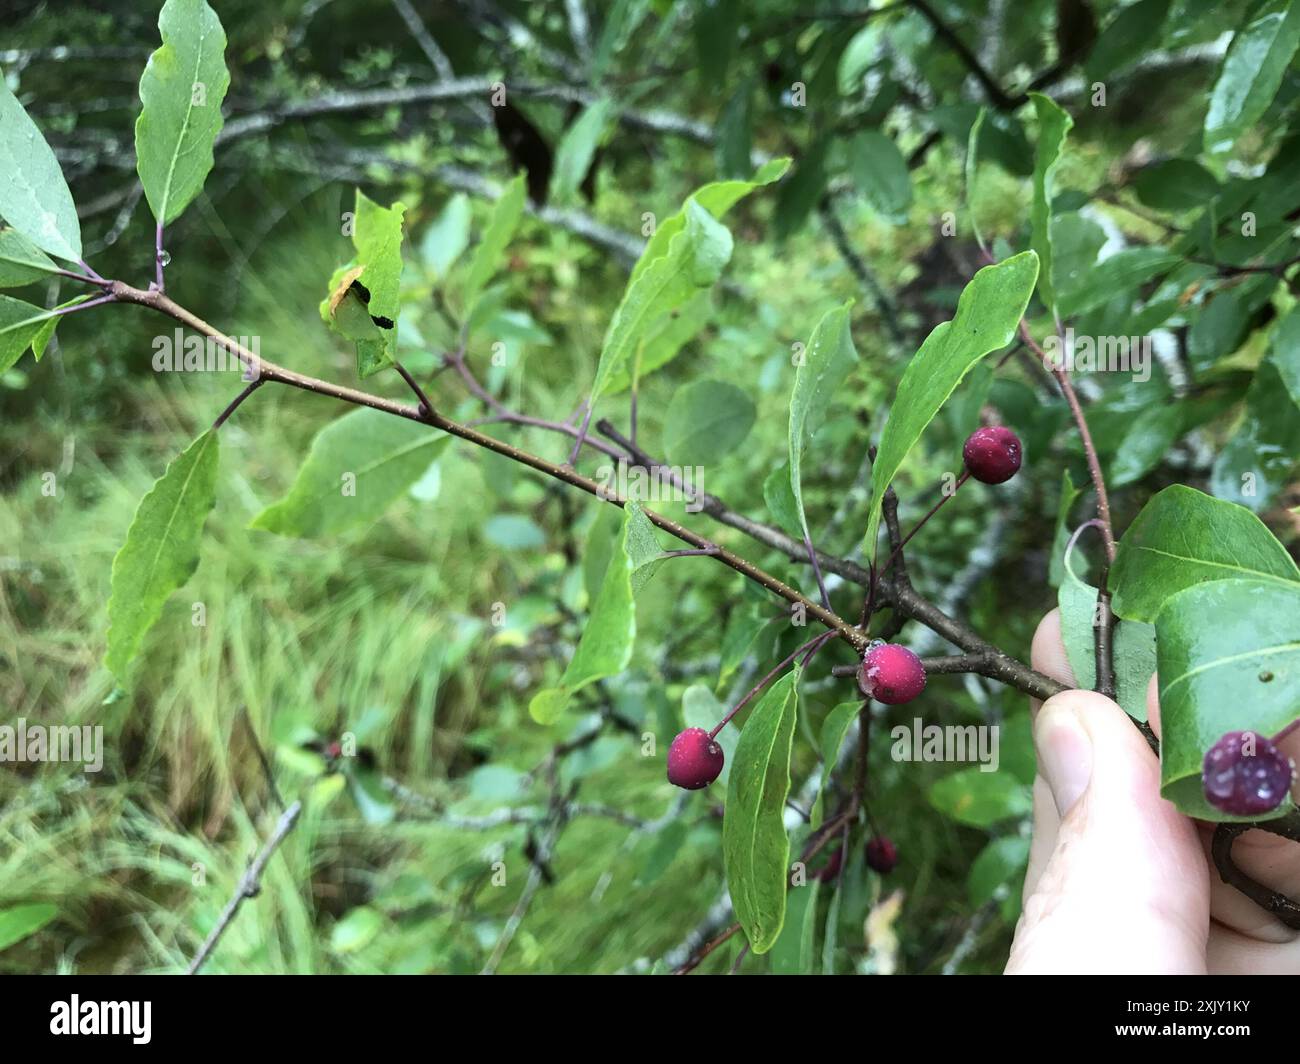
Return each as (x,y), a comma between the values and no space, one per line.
(881,855)
(832,869)
(694,760)
(992,454)
(1245,774)
(891,673)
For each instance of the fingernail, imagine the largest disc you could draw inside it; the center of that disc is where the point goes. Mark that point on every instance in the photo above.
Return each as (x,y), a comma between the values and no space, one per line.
(1064,754)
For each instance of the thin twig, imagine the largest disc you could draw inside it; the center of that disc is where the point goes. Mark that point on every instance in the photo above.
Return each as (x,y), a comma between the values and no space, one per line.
(249,885)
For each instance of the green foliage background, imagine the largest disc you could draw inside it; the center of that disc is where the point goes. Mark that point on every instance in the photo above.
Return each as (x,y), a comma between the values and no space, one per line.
(386,631)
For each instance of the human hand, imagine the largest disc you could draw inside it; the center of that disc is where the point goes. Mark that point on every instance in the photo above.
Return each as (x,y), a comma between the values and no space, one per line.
(1120,881)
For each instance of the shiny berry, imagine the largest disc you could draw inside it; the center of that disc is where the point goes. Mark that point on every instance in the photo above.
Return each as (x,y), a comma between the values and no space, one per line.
(1245,774)
(881,855)
(694,760)
(891,673)
(992,454)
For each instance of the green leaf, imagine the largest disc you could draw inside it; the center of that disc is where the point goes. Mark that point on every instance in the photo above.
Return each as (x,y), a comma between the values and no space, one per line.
(1111,278)
(981,799)
(1229,661)
(1133,648)
(1184,537)
(377,236)
(706,421)
(1132,33)
(21,921)
(701,709)
(826,361)
(834,728)
(988,313)
(447,238)
(357,929)
(1150,434)
(496,238)
(880,173)
(621,21)
(1176,185)
(1001,863)
(42,337)
(666,340)
(21,325)
(181,90)
(1255,466)
(21,261)
(1053,126)
(734,133)
(794,950)
(1069,495)
(742,632)
(374,803)
(755,847)
(694,260)
(578,147)
(161,550)
(1286,353)
(34,197)
(358,464)
(605,648)
(972,170)
(800,194)
(1252,71)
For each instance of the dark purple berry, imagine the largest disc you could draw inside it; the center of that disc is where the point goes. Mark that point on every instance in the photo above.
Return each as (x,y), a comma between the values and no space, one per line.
(694,760)
(881,855)
(992,454)
(891,673)
(832,869)
(1246,774)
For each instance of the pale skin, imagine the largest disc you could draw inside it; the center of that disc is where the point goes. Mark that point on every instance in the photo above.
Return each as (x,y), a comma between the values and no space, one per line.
(1119,881)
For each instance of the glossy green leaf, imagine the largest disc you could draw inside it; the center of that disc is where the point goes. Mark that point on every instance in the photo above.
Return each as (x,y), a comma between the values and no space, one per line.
(1257,464)
(161,550)
(1132,33)
(1148,439)
(1133,648)
(755,847)
(825,364)
(578,147)
(1053,126)
(1252,71)
(34,197)
(358,464)
(742,632)
(21,261)
(1229,661)
(43,335)
(971,172)
(734,132)
(608,637)
(1176,185)
(834,728)
(701,709)
(1116,276)
(21,921)
(880,173)
(981,799)
(706,421)
(181,90)
(665,340)
(507,212)
(988,314)
(1184,537)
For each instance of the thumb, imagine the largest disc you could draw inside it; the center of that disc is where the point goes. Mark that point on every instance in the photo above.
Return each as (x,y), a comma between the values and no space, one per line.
(1126,887)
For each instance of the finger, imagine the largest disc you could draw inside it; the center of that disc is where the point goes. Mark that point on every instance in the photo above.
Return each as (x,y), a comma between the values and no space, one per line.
(1047,655)
(1125,889)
